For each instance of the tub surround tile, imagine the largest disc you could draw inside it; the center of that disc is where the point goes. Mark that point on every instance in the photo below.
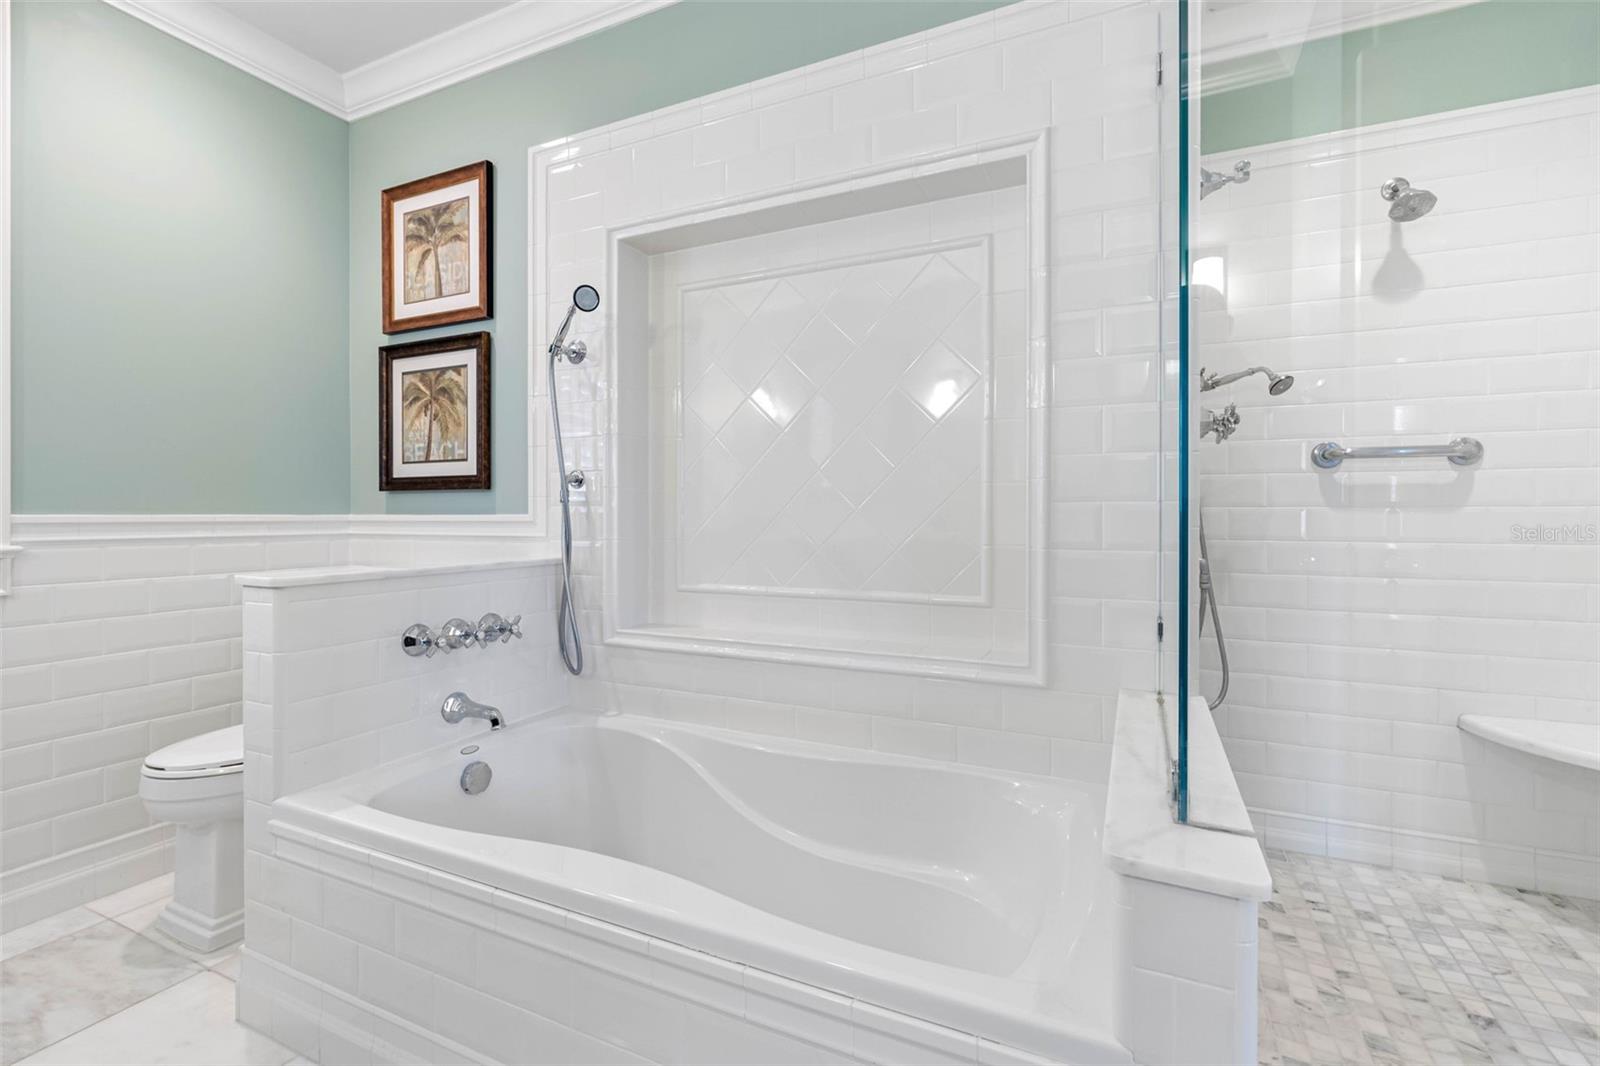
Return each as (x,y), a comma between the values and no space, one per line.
(569,981)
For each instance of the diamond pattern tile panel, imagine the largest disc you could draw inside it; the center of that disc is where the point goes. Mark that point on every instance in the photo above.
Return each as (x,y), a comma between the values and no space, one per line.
(834,429)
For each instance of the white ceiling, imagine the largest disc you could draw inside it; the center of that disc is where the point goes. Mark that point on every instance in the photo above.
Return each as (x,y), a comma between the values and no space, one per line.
(345,34)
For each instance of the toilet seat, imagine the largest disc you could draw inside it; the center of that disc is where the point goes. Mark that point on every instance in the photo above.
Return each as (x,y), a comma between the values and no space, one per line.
(215,754)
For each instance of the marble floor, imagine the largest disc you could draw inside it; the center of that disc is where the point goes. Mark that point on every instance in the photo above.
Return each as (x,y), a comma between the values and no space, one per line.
(1361,964)
(100,985)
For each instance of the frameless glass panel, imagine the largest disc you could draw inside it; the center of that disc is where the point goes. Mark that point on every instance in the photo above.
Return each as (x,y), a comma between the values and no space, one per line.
(1391,294)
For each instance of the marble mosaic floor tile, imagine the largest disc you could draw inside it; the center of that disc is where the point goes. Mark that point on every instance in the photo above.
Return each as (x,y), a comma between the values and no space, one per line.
(1362,964)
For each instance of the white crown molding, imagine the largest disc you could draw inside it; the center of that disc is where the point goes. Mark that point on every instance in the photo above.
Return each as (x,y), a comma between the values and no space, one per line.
(1251,44)
(236,42)
(482,45)
(501,37)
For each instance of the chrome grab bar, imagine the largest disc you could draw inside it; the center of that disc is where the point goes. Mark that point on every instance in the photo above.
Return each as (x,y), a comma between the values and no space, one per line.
(1463,451)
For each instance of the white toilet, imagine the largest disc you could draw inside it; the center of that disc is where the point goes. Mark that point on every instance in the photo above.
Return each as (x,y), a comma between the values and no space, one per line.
(198,785)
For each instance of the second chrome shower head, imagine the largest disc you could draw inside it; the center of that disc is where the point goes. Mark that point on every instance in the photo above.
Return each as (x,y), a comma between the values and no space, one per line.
(1406,201)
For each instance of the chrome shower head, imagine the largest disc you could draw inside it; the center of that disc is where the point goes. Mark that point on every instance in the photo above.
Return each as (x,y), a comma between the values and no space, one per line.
(1277,384)
(1405,201)
(586,298)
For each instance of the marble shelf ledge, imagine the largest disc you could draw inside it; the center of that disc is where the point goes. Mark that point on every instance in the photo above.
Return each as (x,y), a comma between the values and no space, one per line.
(1573,743)
(334,575)
(1141,839)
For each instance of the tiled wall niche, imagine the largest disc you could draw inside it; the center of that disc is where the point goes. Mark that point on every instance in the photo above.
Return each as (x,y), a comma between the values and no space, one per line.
(837,454)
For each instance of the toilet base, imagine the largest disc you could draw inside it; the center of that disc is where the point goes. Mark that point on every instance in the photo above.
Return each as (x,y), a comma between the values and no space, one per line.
(200,932)
(207,908)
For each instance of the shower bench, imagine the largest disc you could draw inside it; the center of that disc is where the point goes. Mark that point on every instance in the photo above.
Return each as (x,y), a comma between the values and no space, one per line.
(1573,743)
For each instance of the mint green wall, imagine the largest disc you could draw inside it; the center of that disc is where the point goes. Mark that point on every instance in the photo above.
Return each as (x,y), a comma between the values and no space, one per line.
(1480,54)
(671,55)
(180,281)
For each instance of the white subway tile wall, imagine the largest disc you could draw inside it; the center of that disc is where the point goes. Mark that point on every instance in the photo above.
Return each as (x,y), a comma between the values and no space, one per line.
(1367,609)
(122,635)
(112,647)
(1084,73)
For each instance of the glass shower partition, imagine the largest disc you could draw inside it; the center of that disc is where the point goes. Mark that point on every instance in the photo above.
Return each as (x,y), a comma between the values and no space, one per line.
(1390,437)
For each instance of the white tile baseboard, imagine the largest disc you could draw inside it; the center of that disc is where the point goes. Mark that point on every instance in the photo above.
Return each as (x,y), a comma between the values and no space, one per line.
(61,883)
(1466,858)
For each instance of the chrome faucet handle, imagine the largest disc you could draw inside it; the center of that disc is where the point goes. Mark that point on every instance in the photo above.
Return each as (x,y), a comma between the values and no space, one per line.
(1221,424)
(418,641)
(514,627)
(457,633)
(491,628)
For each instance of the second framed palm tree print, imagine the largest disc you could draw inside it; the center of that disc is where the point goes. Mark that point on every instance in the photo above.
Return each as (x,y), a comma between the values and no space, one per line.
(433,414)
(436,256)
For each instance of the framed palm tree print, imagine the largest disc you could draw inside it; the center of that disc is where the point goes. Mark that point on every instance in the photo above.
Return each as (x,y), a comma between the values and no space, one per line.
(433,414)
(436,238)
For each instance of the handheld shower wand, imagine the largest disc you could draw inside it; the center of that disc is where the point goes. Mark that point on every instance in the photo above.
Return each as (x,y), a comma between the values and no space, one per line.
(585,298)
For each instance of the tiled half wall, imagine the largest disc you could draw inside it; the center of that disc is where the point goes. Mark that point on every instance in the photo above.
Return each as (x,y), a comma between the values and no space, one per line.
(822,624)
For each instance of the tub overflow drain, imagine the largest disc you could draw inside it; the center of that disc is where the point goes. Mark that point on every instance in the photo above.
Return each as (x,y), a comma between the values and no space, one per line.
(469,749)
(475,778)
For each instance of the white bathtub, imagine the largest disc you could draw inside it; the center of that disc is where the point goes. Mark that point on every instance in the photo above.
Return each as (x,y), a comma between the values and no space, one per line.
(973,900)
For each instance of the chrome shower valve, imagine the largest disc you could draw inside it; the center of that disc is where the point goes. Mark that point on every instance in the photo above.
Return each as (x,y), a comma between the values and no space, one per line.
(457,633)
(492,627)
(418,641)
(1222,424)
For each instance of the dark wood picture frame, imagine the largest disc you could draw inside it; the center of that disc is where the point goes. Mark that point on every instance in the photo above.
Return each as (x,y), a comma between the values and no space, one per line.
(481,172)
(387,356)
